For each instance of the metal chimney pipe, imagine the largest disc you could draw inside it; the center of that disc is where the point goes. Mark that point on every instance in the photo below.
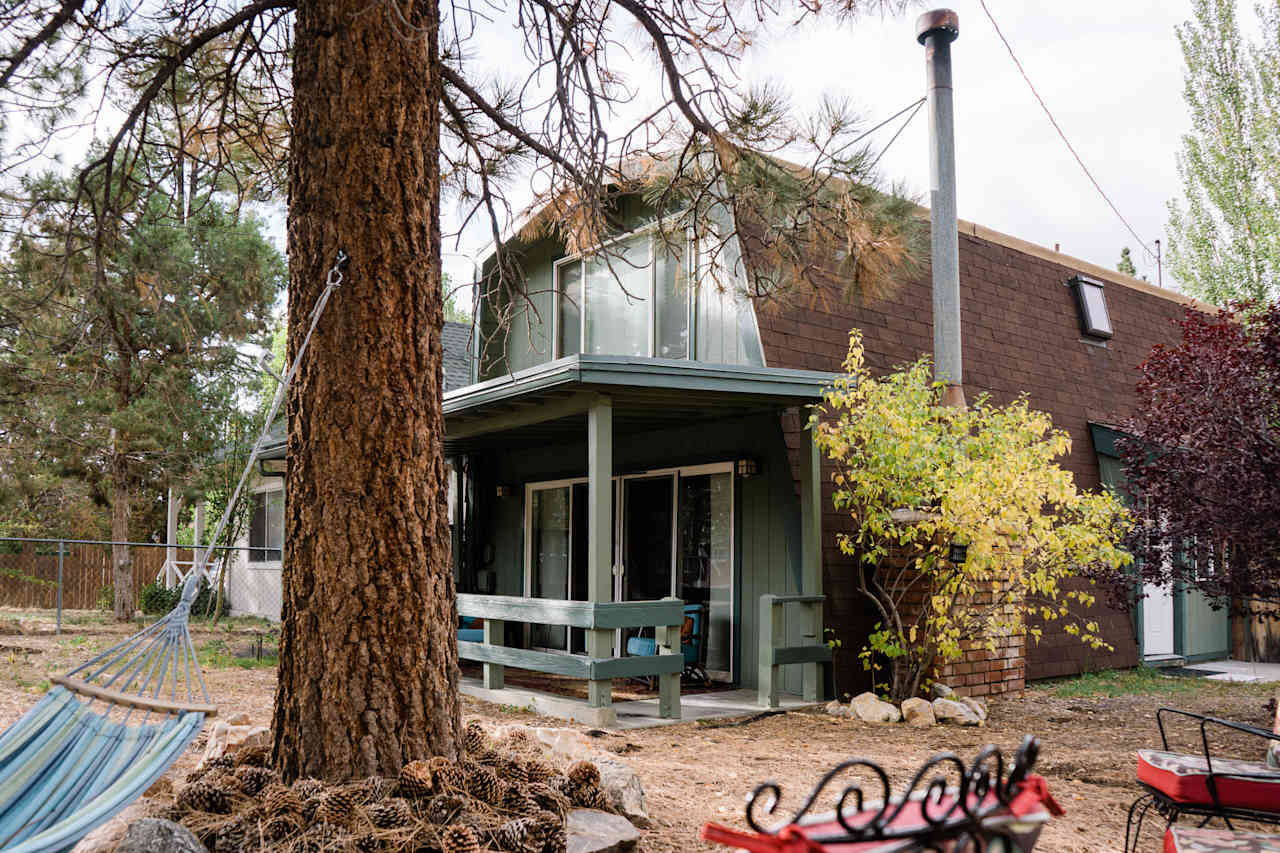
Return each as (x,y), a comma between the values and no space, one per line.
(936,30)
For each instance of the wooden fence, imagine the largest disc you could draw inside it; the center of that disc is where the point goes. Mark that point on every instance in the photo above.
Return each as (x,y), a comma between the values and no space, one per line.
(29,573)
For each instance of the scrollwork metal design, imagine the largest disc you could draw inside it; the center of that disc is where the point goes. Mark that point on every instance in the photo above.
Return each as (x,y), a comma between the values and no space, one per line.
(951,813)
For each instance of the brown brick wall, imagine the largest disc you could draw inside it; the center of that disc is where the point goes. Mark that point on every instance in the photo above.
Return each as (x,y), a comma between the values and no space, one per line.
(1021,333)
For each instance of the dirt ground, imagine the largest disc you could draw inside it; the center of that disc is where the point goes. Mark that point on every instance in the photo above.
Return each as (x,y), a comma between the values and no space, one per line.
(694,772)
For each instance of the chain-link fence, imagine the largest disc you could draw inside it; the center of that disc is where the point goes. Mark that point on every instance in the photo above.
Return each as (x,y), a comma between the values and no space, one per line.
(77,574)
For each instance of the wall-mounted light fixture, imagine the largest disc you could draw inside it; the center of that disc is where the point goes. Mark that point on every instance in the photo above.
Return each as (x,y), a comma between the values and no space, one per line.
(1091,303)
(505,491)
(747,467)
(957,553)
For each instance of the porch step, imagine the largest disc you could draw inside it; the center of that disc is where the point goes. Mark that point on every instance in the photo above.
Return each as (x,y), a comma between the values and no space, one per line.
(1164,661)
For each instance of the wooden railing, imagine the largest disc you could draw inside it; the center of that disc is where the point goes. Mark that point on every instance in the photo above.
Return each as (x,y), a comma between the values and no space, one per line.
(811,652)
(664,616)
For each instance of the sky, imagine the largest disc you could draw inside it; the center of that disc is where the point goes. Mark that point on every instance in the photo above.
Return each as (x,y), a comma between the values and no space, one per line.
(1109,70)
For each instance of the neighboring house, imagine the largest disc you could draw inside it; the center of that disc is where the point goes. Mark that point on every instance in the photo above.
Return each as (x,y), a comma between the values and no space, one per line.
(684,405)
(253,578)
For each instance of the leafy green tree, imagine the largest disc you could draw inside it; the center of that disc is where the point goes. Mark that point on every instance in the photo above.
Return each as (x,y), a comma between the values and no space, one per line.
(1126,263)
(118,376)
(1225,231)
(918,477)
(453,312)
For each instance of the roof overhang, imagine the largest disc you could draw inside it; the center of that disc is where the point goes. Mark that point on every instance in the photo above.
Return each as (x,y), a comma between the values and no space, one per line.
(549,402)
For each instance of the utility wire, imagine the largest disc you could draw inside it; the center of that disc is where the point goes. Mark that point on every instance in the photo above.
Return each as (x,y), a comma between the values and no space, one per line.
(1066,141)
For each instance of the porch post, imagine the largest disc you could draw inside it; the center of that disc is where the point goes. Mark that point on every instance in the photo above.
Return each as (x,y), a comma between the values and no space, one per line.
(171,540)
(600,536)
(811,554)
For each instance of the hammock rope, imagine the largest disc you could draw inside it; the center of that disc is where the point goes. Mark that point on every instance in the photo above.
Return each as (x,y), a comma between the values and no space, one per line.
(110,727)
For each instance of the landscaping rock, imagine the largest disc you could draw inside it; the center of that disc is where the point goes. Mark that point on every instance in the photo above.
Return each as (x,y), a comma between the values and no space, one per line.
(618,781)
(870,708)
(919,713)
(225,738)
(241,719)
(105,838)
(977,706)
(836,708)
(942,691)
(591,831)
(951,712)
(154,835)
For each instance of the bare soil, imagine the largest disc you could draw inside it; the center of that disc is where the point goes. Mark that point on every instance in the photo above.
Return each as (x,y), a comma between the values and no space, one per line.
(694,772)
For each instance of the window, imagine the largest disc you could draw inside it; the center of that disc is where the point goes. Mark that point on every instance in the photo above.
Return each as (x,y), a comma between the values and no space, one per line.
(641,297)
(266,527)
(1091,302)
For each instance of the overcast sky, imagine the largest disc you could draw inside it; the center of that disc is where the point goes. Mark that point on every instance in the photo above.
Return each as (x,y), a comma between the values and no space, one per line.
(1110,70)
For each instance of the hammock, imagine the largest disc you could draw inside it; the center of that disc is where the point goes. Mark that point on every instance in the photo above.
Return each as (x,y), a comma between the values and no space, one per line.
(112,726)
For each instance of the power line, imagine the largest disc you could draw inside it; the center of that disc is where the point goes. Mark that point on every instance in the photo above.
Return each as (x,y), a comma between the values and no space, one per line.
(1058,128)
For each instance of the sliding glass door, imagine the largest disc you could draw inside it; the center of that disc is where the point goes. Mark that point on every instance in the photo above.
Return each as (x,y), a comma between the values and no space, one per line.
(672,536)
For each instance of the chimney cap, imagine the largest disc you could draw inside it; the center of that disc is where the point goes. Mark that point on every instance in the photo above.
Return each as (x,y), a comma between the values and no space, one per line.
(942,21)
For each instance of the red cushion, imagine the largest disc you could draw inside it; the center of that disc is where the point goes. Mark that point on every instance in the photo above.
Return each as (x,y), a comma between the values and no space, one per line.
(1185,779)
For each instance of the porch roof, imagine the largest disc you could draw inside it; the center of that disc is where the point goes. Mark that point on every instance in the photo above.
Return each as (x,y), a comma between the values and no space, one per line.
(549,401)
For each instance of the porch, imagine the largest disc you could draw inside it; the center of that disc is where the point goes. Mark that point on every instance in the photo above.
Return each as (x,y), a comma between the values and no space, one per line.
(603,500)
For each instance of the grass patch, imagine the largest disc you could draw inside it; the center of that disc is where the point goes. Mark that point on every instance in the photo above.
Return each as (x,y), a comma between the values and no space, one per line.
(219,654)
(1139,681)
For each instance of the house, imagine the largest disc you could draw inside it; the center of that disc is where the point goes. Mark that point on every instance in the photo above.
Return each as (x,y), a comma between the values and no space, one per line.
(636,434)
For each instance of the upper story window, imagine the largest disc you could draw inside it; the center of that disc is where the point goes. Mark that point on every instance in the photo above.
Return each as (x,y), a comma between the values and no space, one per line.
(652,293)
(1091,302)
(266,526)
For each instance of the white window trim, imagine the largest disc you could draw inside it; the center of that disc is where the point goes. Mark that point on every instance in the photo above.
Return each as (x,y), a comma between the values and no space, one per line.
(264,565)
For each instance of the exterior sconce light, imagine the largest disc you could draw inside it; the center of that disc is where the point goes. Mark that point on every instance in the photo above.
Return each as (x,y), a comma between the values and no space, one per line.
(957,553)
(747,467)
(505,491)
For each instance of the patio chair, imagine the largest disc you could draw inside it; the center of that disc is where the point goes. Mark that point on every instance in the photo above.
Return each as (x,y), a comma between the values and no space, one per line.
(693,644)
(947,806)
(1207,785)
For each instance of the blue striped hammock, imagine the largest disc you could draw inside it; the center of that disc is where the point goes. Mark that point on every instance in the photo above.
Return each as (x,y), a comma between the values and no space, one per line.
(112,726)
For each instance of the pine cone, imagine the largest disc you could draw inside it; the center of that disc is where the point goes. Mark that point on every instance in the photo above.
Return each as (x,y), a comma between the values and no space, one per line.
(337,807)
(518,739)
(589,797)
(458,839)
(584,773)
(415,780)
(487,756)
(254,779)
(223,762)
(475,738)
(550,799)
(321,837)
(373,789)
(253,756)
(446,775)
(536,770)
(203,797)
(308,788)
(281,826)
(484,785)
(232,838)
(517,801)
(522,835)
(443,808)
(309,807)
(369,842)
(512,770)
(278,799)
(390,814)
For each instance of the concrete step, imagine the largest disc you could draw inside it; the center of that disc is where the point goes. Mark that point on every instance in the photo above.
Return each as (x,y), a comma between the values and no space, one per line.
(1164,661)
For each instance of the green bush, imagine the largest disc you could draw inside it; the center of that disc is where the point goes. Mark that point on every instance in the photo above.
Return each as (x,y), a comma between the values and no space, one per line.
(107,598)
(155,600)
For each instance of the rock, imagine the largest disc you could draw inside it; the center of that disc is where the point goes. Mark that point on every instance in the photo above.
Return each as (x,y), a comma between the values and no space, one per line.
(154,835)
(951,712)
(241,719)
(618,781)
(977,706)
(918,712)
(227,738)
(836,708)
(942,691)
(105,838)
(591,831)
(870,708)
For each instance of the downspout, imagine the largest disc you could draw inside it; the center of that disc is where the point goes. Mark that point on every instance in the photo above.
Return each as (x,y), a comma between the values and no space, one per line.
(936,30)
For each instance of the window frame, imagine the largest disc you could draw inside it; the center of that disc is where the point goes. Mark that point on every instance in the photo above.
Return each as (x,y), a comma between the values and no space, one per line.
(264,489)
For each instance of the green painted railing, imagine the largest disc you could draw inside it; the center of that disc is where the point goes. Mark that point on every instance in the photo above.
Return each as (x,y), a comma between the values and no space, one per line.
(774,654)
(664,616)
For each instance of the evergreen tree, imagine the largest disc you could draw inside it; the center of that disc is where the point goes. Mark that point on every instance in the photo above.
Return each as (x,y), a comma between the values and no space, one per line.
(1126,263)
(1225,232)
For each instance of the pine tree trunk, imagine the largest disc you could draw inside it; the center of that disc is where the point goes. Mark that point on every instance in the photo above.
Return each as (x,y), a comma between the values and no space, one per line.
(121,560)
(368,670)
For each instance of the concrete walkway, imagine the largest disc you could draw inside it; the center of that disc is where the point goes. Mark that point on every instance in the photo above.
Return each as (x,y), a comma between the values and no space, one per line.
(634,714)
(1238,670)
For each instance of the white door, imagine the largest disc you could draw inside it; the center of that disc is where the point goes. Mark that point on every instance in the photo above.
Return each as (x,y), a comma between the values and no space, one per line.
(1157,621)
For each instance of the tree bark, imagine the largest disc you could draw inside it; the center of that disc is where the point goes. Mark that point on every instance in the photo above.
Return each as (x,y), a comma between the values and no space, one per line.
(368,669)
(121,560)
